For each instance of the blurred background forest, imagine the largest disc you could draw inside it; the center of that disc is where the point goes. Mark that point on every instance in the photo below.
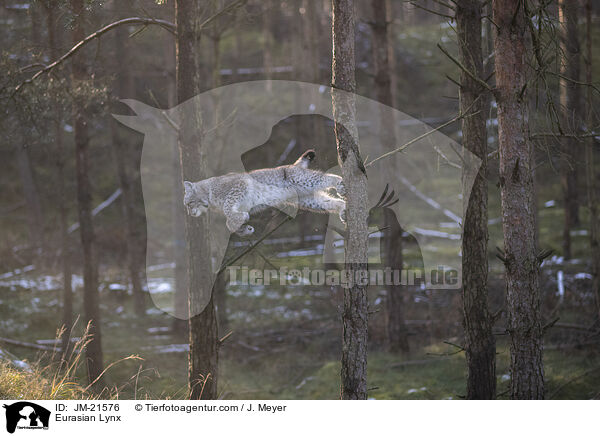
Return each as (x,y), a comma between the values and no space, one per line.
(282,342)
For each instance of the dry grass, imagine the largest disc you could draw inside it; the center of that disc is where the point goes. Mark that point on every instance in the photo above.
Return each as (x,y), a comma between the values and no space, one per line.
(57,380)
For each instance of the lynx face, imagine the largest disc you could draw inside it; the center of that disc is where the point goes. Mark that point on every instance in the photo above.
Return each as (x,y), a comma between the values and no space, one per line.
(195,199)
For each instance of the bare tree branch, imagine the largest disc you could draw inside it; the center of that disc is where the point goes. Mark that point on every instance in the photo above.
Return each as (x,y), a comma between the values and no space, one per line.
(563,135)
(126,21)
(447,5)
(251,247)
(229,8)
(134,20)
(418,138)
(415,4)
(576,82)
(483,84)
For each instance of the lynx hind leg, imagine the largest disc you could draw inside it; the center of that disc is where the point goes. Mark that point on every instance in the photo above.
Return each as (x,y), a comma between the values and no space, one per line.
(340,187)
(335,181)
(321,202)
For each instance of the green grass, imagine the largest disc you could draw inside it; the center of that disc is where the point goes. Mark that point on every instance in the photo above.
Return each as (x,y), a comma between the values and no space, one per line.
(572,374)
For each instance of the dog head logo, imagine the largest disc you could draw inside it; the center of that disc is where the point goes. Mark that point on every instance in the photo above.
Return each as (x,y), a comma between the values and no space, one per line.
(430,176)
(26,415)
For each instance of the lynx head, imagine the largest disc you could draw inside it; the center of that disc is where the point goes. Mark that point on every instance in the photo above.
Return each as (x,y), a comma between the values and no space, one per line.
(195,198)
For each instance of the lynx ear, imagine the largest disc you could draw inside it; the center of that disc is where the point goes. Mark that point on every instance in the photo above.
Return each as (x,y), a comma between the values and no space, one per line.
(188,186)
(306,158)
(309,154)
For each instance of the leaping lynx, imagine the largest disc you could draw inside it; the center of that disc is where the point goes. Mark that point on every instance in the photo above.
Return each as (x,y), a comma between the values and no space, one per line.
(239,195)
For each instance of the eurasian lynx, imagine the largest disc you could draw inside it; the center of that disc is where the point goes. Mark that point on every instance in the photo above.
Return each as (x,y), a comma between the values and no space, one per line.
(239,195)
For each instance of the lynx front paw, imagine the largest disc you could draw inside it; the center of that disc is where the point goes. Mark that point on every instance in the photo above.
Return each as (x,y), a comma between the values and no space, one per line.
(343,216)
(245,230)
(341,189)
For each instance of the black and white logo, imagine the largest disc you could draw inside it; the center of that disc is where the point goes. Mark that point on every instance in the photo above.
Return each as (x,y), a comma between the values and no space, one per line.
(26,415)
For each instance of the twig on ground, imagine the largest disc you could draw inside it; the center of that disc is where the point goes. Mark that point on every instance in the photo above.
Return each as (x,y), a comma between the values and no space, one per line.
(573,379)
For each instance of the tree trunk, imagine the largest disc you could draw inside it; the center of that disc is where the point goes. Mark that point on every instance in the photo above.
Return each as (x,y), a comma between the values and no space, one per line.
(67,312)
(30,191)
(84,202)
(65,250)
(570,114)
(518,203)
(36,27)
(220,286)
(590,166)
(267,33)
(397,333)
(480,345)
(181,299)
(310,37)
(203,356)
(125,169)
(238,46)
(32,200)
(391,53)
(381,43)
(396,330)
(180,320)
(354,316)
(35,214)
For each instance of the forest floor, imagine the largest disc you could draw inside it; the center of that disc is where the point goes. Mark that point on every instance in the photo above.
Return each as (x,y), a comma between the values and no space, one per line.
(287,344)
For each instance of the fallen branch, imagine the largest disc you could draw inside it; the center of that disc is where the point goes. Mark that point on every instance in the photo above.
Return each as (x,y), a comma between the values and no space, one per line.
(27,345)
(418,362)
(571,380)
(572,345)
(550,324)
(565,325)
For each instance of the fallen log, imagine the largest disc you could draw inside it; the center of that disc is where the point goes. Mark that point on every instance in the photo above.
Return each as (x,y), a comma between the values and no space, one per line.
(418,362)
(28,345)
